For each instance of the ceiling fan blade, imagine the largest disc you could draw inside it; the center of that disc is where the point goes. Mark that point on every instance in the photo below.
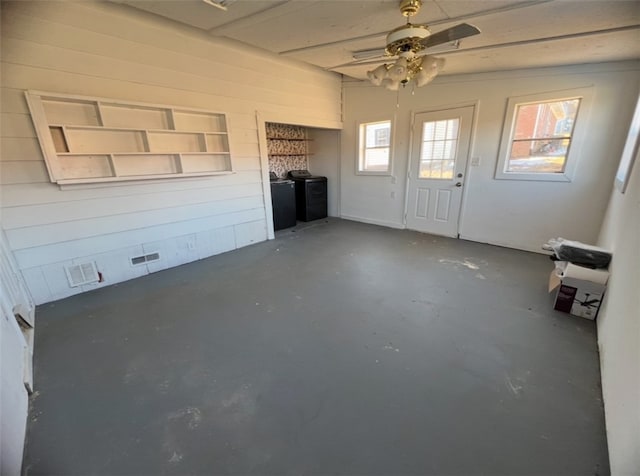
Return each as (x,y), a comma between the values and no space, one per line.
(463,30)
(366,54)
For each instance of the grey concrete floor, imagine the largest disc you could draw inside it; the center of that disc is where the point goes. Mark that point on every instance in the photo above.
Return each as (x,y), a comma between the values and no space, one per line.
(339,348)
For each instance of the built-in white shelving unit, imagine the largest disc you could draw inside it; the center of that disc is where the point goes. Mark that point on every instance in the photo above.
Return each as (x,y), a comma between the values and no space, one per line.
(87,140)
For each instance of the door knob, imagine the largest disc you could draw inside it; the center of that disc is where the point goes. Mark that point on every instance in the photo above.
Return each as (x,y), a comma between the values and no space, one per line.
(458,184)
(459,175)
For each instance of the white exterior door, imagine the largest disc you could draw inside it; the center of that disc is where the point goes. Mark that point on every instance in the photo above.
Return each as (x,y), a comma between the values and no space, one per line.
(441,141)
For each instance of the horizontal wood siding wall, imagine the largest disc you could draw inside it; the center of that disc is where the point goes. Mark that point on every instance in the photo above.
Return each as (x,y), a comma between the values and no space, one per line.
(114,51)
(13,346)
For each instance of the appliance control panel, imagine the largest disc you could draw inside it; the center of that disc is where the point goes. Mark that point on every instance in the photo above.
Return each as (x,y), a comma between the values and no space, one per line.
(299,174)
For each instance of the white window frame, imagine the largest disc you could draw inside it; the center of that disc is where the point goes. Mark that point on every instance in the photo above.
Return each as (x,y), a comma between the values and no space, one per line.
(580,128)
(360,128)
(630,152)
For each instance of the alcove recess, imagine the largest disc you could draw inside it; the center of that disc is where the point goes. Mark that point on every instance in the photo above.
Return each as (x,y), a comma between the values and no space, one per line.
(87,140)
(288,148)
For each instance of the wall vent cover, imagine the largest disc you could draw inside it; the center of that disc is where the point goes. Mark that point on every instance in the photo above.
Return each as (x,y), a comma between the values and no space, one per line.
(136,260)
(79,274)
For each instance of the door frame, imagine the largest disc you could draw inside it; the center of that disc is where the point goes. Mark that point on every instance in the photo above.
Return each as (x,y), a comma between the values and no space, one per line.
(262,117)
(472,141)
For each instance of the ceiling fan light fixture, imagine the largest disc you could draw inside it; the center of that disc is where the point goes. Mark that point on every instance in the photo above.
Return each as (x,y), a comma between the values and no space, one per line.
(429,69)
(406,38)
(407,42)
(399,70)
(390,84)
(377,75)
(410,8)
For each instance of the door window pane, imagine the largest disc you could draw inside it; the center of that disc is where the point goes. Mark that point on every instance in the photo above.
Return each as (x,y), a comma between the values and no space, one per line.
(439,148)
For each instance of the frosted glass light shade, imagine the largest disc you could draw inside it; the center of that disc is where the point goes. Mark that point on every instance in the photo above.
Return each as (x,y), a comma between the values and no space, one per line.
(398,70)
(430,68)
(390,84)
(377,75)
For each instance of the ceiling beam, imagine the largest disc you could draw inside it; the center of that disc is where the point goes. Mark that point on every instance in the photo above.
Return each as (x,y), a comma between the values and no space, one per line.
(273,11)
(383,34)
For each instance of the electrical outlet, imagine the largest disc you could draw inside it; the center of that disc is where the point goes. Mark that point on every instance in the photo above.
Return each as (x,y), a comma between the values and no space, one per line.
(393,194)
(393,179)
(475,161)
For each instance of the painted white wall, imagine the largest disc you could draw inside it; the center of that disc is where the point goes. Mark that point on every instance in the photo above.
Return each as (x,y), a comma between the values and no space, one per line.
(619,329)
(114,51)
(325,161)
(13,394)
(517,214)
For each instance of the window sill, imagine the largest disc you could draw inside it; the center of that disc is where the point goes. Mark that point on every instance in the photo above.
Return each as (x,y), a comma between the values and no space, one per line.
(386,173)
(533,177)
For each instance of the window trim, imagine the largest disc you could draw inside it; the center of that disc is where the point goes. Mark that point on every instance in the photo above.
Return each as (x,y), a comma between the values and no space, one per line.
(585,94)
(360,147)
(630,151)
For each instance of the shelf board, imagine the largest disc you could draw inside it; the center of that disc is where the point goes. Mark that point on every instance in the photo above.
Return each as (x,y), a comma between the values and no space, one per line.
(115,154)
(122,178)
(287,138)
(138,129)
(99,128)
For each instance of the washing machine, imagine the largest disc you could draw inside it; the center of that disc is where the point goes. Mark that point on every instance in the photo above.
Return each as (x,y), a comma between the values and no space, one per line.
(311,195)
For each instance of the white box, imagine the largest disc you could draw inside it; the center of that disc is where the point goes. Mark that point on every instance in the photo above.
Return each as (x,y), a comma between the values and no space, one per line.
(579,290)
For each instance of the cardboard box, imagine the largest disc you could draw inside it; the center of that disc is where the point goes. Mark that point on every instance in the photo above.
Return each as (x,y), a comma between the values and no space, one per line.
(579,290)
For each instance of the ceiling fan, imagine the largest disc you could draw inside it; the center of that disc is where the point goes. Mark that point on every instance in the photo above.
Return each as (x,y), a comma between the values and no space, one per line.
(408,42)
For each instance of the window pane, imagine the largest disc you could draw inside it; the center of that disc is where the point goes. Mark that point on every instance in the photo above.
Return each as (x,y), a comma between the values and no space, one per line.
(425,168)
(378,135)
(439,148)
(447,168)
(375,140)
(543,156)
(452,129)
(436,170)
(441,130)
(449,149)
(546,119)
(427,151)
(376,160)
(428,131)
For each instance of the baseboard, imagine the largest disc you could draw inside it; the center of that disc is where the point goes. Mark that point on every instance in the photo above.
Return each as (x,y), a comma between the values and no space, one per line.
(538,250)
(372,221)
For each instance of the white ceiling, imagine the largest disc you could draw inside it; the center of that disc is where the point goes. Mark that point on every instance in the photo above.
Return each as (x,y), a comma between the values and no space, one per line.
(515,33)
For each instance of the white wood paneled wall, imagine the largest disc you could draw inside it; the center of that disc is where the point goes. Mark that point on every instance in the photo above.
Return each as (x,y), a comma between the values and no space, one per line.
(114,51)
(619,327)
(513,213)
(13,350)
